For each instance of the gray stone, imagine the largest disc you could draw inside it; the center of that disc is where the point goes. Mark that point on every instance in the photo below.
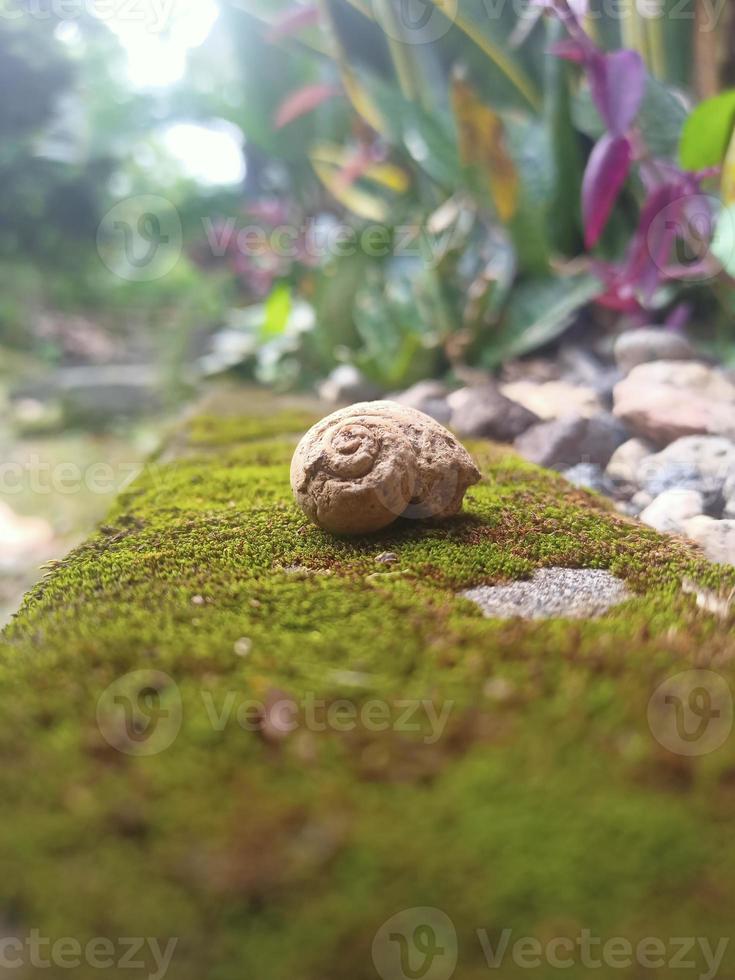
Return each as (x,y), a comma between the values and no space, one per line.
(729,495)
(645,344)
(562,443)
(701,463)
(671,509)
(429,397)
(624,466)
(482,412)
(717,538)
(96,396)
(99,396)
(582,366)
(729,488)
(347,384)
(666,400)
(589,476)
(552,593)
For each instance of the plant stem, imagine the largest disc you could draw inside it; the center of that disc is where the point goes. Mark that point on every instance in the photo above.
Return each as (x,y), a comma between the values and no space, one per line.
(654,28)
(403,60)
(633,29)
(706,55)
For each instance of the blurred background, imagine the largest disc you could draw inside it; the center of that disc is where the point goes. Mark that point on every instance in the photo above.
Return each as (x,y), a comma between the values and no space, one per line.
(347,196)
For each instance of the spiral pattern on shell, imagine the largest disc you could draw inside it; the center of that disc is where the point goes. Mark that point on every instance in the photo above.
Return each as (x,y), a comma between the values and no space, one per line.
(363,467)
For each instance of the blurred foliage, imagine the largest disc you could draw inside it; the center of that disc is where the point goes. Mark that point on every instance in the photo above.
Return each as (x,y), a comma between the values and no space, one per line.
(70,126)
(424,214)
(468,151)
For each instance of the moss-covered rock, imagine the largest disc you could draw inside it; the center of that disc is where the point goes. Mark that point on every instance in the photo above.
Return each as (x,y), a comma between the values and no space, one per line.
(354,738)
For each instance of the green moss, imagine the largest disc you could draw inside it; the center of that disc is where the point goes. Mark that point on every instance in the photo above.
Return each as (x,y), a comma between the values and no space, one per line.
(544,805)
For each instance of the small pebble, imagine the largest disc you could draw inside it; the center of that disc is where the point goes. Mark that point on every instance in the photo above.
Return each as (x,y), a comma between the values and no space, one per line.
(243,646)
(499,689)
(387,558)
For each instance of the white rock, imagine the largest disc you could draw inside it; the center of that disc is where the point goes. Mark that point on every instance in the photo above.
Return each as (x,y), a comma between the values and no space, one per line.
(347,384)
(554,399)
(665,400)
(626,461)
(641,500)
(671,509)
(717,538)
(703,463)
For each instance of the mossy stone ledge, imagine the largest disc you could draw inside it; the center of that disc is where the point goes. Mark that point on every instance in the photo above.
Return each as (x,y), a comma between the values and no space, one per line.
(503,772)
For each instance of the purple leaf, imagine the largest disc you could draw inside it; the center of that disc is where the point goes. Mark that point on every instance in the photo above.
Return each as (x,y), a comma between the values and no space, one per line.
(607,170)
(617,84)
(569,50)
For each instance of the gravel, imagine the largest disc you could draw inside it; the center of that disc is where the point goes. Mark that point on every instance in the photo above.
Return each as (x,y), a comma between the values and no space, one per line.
(552,593)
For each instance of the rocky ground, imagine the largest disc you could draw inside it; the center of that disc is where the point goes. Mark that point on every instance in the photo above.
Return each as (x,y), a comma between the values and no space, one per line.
(652,427)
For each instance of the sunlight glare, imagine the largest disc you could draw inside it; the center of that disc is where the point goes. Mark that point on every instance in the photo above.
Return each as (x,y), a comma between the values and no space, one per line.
(158,35)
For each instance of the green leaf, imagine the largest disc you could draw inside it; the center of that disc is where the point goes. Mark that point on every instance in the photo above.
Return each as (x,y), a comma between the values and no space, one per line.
(707,133)
(565,219)
(528,144)
(484,31)
(429,139)
(723,243)
(661,119)
(277,310)
(538,312)
(398,346)
(337,285)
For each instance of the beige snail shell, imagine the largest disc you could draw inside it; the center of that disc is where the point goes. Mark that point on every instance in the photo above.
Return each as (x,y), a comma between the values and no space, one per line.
(363,467)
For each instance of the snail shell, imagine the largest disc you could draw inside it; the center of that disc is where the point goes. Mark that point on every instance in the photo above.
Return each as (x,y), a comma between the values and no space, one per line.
(361,468)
